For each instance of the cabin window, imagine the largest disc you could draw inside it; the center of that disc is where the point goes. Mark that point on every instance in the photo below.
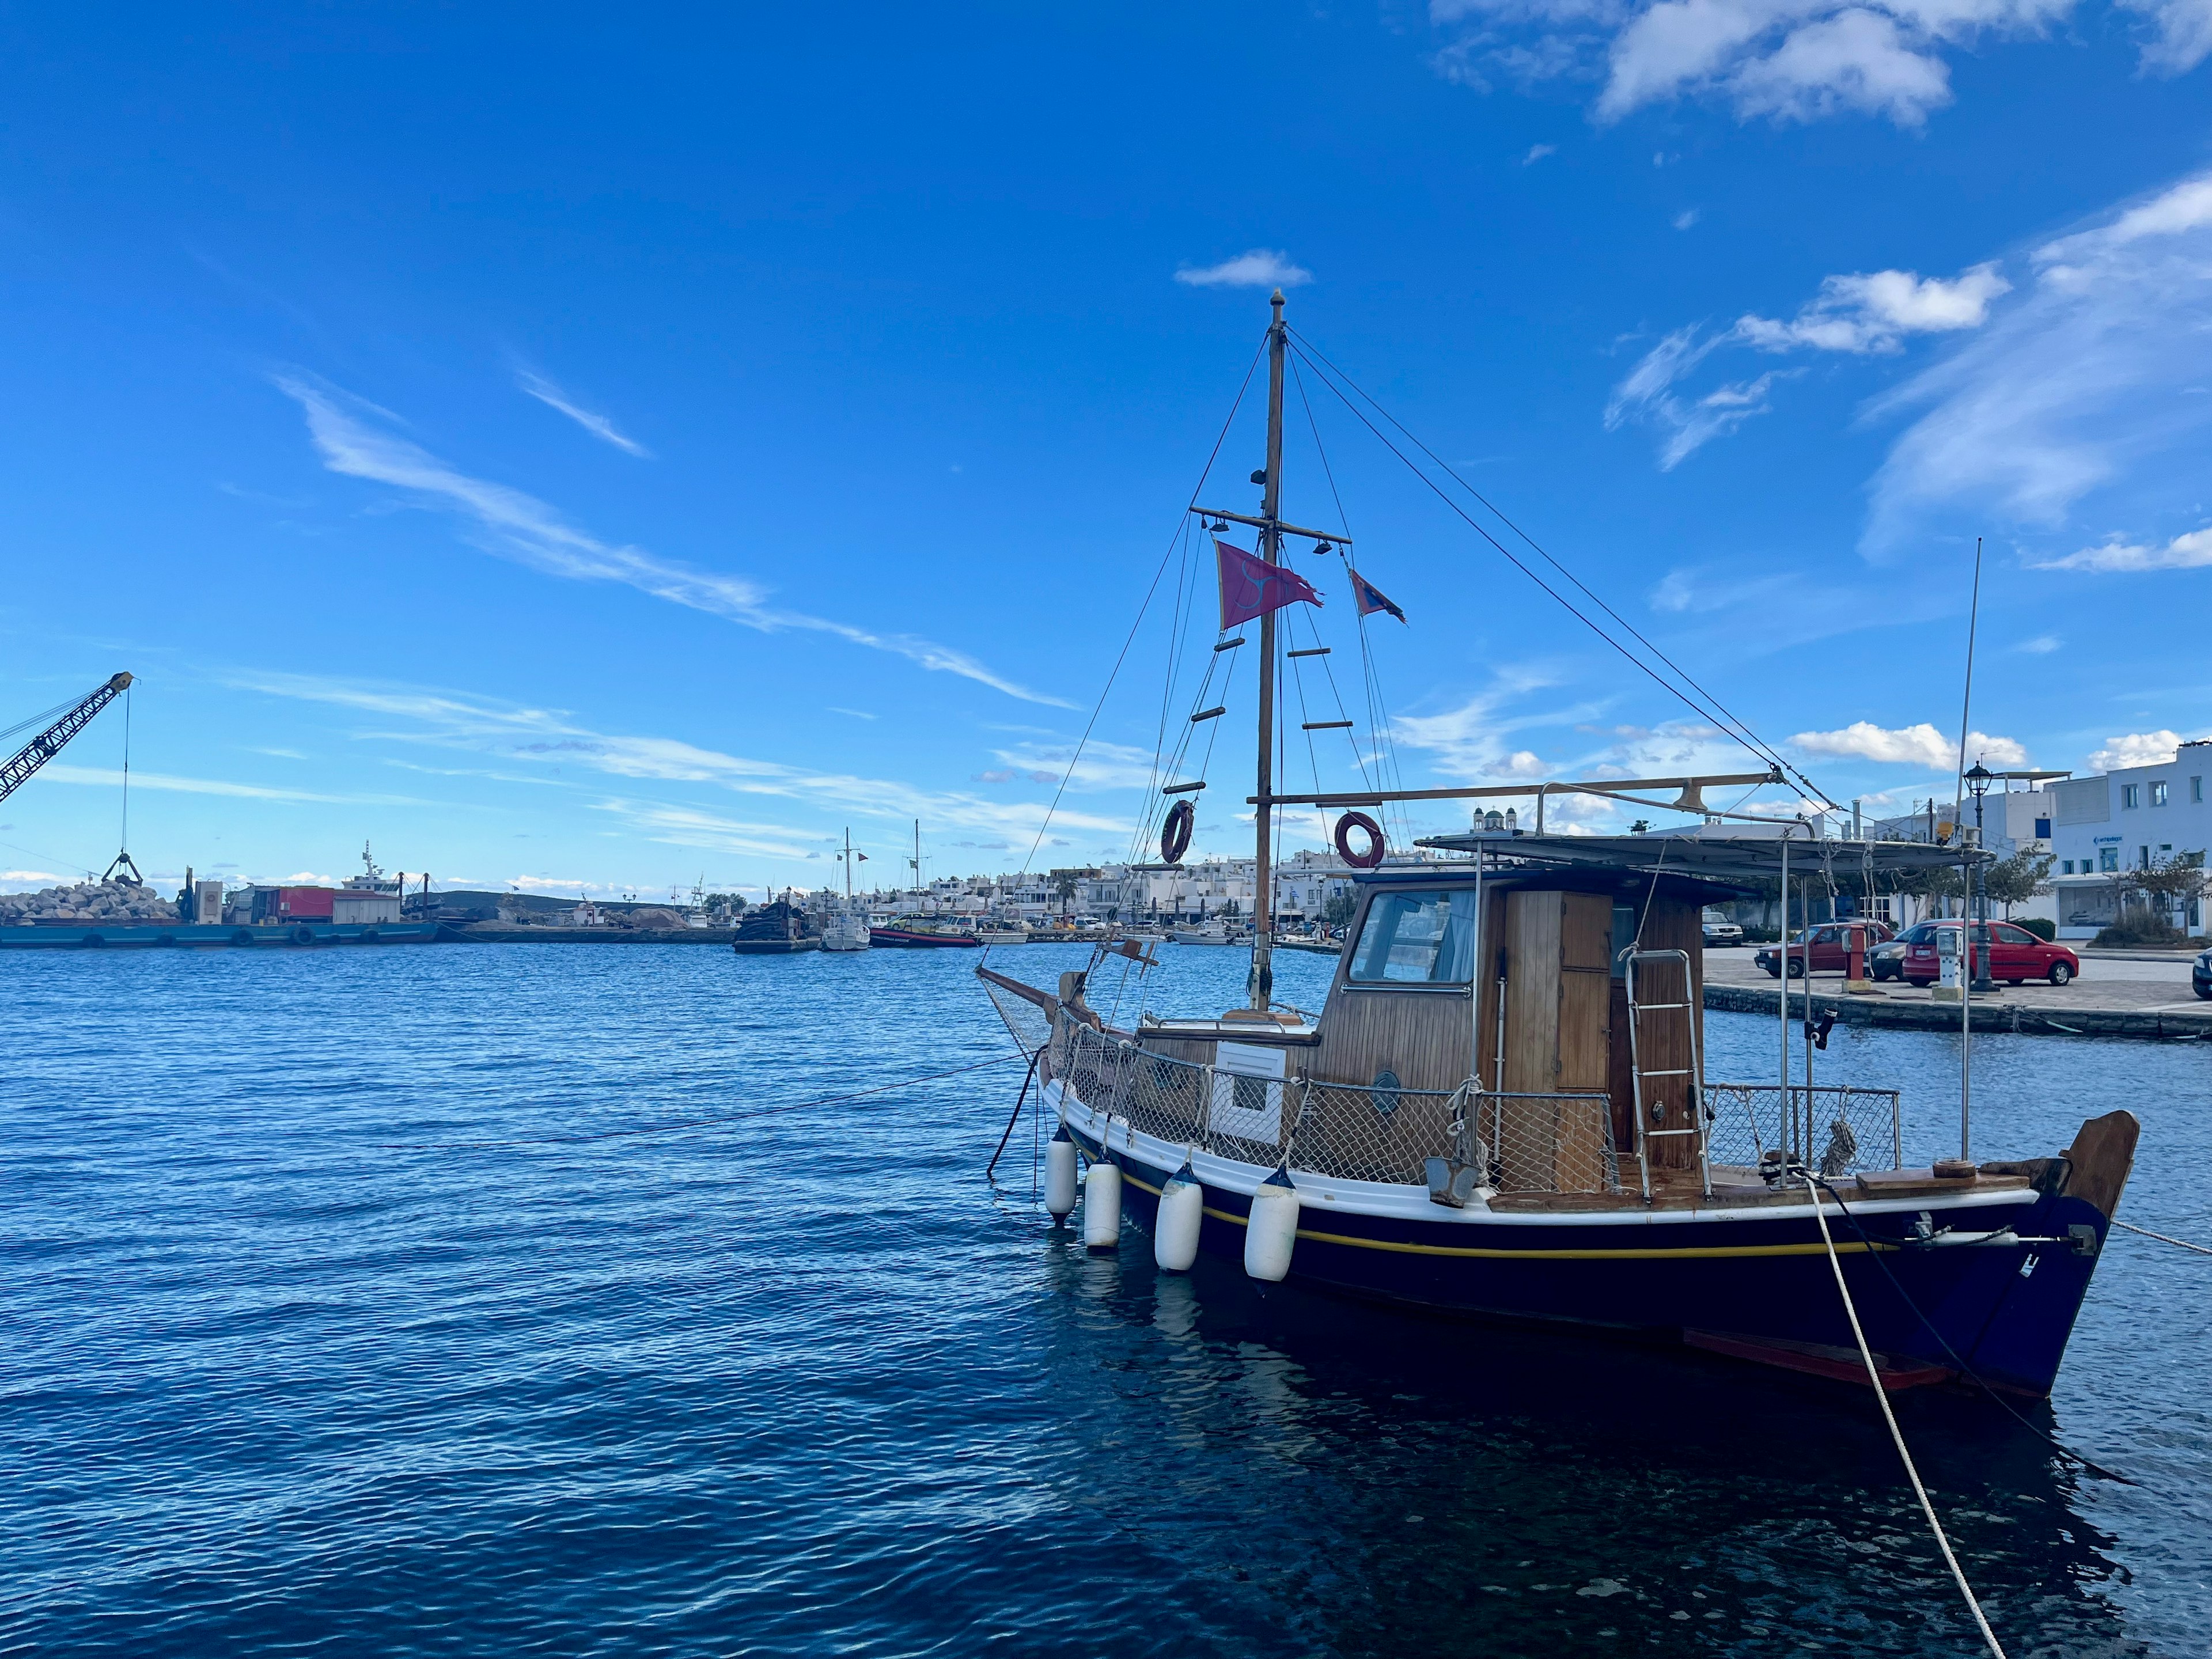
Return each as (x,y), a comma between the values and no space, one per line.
(1417,938)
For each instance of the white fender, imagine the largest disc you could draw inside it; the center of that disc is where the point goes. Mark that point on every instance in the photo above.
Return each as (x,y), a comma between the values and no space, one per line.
(1183,1213)
(1272,1231)
(1101,1206)
(1060,1175)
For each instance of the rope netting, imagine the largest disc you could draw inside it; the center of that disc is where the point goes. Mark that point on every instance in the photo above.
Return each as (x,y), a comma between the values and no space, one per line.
(1520,1143)
(1835,1129)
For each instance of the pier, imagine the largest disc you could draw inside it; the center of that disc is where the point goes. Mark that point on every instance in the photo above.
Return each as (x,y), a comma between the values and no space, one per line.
(2119,994)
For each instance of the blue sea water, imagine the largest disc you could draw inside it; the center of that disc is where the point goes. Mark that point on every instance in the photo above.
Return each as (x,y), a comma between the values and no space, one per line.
(325,1333)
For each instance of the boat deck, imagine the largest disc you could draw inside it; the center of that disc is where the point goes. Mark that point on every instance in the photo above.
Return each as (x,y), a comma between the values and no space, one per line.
(1736,1187)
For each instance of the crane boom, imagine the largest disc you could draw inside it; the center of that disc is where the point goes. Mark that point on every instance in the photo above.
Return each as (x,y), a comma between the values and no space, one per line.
(44,747)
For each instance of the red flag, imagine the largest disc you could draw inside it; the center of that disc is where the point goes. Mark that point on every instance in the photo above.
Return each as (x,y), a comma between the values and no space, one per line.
(1251,587)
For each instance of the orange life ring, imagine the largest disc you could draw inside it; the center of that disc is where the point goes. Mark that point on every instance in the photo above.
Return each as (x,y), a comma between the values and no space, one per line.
(1375,844)
(1175,834)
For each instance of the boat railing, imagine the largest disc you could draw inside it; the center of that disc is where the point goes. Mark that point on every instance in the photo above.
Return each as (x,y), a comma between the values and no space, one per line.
(1836,1129)
(1383,1131)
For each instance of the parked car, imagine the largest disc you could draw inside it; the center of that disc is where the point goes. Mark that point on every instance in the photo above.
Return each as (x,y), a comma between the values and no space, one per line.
(1887,960)
(2016,956)
(1828,946)
(2200,976)
(1720,931)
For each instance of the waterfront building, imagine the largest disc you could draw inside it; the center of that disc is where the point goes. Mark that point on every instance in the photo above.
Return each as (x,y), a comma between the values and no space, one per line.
(2130,818)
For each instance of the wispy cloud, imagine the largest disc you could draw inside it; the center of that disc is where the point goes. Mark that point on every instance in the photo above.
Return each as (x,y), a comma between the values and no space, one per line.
(1910,745)
(598,425)
(63,772)
(1259,267)
(517,526)
(2083,391)
(1860,314)
(551,737)
(1537,152)
(2041,646)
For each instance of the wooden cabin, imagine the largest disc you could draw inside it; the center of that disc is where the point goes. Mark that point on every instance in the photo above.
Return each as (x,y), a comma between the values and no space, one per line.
(1414,1009)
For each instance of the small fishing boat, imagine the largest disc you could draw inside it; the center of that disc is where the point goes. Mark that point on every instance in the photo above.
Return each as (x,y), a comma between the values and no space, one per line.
(1502,1109)
(780,929)
(1210,933)
(921,937)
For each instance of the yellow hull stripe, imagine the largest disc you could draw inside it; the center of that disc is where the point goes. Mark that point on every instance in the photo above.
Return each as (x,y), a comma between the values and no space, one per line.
(1680,1253)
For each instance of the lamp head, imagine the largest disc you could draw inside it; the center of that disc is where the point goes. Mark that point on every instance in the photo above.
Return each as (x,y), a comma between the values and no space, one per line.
(1979,777)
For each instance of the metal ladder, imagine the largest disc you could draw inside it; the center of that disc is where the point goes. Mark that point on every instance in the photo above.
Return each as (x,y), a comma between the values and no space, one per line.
(1694,1071)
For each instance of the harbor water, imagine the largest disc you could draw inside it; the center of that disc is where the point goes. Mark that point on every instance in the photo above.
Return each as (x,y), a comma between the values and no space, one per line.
(401,1303)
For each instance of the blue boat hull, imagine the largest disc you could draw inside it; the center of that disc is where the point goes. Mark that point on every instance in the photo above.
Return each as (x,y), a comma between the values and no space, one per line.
(1756,1287)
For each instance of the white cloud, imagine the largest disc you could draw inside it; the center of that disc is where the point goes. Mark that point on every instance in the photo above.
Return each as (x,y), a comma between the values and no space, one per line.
(1864,313)
(1259,267)
(28,875)
(521,527)
(1537,152)
(1686,218)
(598,425)
(2135,749)
(2183,553)
(1911,745)
(1783,60)
(2080,391)
(2041,646)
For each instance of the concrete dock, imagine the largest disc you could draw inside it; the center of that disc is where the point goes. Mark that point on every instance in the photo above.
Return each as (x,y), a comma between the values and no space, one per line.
(2131,995)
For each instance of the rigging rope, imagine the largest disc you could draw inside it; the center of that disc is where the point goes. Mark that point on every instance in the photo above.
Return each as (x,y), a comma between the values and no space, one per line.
(1896,1435)
(1711,708)
(1122,656)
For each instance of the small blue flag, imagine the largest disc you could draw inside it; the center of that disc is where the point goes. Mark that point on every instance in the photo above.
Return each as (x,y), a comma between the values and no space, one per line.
(1372,598)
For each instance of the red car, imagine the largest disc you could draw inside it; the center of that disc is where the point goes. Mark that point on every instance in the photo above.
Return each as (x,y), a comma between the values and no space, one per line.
(2016,956)
(1828,945)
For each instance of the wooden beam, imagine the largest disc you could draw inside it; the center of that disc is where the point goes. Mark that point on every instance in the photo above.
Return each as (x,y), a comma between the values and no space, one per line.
(1510,791)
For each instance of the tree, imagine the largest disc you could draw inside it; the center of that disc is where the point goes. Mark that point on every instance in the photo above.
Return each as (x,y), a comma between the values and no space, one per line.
(1337,910)
(2018,878)
(2154,892)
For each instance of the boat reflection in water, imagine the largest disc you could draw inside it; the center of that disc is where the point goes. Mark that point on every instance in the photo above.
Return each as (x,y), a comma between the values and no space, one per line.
(1453,1488)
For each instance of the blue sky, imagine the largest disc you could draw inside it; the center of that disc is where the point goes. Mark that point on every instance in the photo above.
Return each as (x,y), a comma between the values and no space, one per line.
(592,453)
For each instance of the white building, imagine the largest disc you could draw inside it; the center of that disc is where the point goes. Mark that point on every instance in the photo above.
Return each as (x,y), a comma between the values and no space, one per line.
(2131,818)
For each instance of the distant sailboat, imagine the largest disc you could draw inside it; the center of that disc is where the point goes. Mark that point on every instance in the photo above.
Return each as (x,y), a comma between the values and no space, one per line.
(847,927)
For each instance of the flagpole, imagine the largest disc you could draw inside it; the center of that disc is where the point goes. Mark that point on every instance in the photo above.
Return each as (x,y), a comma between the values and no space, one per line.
(1271,543)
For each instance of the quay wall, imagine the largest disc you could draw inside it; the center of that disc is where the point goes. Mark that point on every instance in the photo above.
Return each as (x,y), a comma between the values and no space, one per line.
(1989,1015)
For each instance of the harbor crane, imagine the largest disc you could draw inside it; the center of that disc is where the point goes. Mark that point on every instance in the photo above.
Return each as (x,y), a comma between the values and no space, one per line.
(67,721)
(73,719)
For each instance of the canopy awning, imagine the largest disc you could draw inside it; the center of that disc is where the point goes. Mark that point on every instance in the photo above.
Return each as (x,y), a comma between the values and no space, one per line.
(1700,854)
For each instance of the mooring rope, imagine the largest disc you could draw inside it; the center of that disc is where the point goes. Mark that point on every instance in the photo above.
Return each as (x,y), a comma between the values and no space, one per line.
(1959,1360)
(685,1123)
(1015,1116)
(1882,1397)
(2183,1243)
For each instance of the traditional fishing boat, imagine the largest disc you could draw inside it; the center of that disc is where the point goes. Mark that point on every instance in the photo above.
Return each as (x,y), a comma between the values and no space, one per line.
(1503,1109)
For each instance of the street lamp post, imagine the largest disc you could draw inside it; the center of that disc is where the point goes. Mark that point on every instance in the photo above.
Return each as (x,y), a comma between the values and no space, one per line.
(1977,779)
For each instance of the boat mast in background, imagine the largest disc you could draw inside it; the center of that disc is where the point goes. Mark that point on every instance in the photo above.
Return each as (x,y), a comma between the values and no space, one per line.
(1271,546)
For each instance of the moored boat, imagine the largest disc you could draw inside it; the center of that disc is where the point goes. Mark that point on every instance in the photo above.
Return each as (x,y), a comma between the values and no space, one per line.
(922,937)
(1503,1109)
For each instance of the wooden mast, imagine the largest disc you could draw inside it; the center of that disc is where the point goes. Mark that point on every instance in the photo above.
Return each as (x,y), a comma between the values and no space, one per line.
(1271,545)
